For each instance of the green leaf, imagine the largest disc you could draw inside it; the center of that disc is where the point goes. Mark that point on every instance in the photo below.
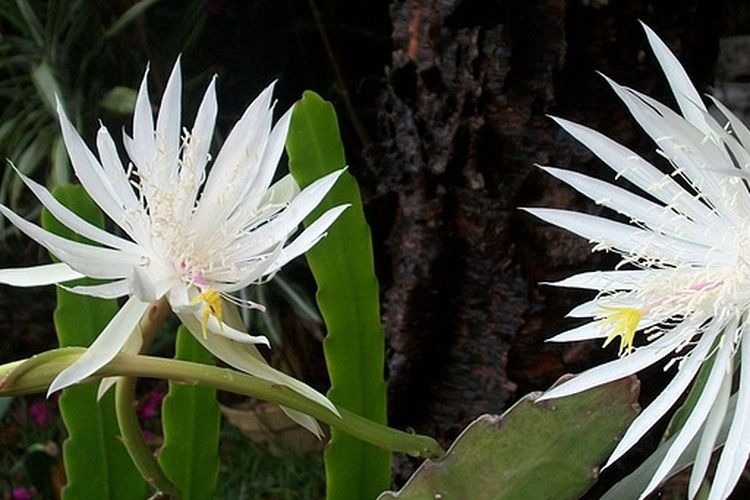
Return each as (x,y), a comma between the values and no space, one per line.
(120,100)
(342,264)
(190,419)
(46,86)
(130,15)
(546,450)
(97,464)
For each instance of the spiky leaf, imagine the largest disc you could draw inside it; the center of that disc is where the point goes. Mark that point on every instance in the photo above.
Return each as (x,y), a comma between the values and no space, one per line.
(342,264)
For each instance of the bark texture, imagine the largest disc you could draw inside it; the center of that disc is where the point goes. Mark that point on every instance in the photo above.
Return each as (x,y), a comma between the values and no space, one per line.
(462,123)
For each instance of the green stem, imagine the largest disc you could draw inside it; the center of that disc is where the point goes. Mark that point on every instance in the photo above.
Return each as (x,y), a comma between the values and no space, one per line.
(132,437)
(37,378)
(127,418)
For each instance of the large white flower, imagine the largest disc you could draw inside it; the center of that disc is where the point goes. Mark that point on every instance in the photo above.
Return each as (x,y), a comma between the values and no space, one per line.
(683,287)
(194,238)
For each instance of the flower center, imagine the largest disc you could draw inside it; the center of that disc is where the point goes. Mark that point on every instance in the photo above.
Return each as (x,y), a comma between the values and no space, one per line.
(621,322)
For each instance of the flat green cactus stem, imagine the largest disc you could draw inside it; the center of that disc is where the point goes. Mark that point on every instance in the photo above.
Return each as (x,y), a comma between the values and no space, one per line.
(546,450)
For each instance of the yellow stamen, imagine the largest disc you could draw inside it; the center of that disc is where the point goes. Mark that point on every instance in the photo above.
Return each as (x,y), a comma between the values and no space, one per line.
(211,307)
(622,322)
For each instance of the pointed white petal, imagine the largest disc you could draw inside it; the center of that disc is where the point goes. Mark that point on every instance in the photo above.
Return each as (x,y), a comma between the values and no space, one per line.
(307,239)
(168,124)
(737,448)
(587,309)
(680,142)
(239,150)
(708,437)
(622,367)
(244,357)
(682,88)
(90,173)
(268,164)
(144,143)
(111,290)
(105,347)
(76,223)
(588,331)
(287,221)
(608,280)
(115,172)
(96,262)
(132,346)
(657,217)
(676,387)
(635,169)
(697,417)
(46,274)
(626,239)
(739,128)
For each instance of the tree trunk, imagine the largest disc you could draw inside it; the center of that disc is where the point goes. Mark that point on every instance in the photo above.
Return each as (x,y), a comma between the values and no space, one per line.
(463,122)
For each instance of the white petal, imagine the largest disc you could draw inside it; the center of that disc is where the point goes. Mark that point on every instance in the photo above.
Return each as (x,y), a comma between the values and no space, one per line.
(96,262)
(627,239)
(676,387)
(246,358)
(682,143)
(115,172)
(708,437)
(144,143)
(656,217)
(622,367)
(111,290)
(287,221)
(682,88)
(307,239)
(46,274)
(739,128)
(635,169)
(105,346)
(737,447)
(90,173)
(588,331)
(693,423)
(76,223)
(587,309)
(252,273)
(608,280)
(239,150)
(268,164)
(168,125)
(141,285)
(132,346)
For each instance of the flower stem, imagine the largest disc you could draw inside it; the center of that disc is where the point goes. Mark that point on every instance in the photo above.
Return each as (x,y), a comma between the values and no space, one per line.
(37,378)
(132,437)
(127,418)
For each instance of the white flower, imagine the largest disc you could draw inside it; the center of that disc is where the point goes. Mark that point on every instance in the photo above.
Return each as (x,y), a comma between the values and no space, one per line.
(684,284)
(193,238)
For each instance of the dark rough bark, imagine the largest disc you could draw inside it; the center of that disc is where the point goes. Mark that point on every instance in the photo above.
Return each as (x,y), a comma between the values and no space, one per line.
(462,124)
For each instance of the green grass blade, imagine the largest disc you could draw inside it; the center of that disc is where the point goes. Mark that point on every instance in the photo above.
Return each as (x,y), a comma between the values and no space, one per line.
(342,264)
(190,419)
(97,464)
